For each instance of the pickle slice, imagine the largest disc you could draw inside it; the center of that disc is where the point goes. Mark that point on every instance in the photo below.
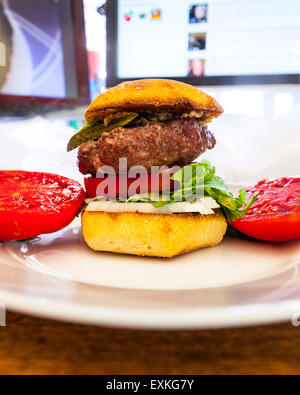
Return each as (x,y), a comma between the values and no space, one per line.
(93,131)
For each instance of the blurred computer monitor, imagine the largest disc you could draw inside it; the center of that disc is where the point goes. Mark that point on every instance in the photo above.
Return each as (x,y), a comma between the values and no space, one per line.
(208,42)
(43,59)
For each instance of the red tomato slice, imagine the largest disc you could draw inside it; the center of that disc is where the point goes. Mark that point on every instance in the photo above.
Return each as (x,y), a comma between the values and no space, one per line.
(123,186)
(32,204)
(275,216)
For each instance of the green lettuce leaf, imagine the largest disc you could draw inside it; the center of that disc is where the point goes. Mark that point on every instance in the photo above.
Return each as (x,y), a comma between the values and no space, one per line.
(215,187)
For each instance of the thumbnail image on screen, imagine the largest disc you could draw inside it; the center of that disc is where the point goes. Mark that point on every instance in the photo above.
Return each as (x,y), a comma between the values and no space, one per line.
(197,68)
(197,41)
(39,49)
(198,13)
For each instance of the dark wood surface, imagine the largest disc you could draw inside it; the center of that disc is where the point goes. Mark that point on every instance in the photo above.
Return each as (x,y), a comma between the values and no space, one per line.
(37,346)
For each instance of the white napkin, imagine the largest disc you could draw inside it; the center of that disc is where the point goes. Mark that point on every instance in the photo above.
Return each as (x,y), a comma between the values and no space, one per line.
(248,148)
(38,144)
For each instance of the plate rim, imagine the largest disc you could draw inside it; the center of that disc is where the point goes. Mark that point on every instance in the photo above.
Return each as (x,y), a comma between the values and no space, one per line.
(195,319)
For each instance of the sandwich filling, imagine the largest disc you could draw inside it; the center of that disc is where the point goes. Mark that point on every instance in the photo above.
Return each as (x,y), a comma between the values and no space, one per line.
(151,143)
(164,140)
(198,190)
(148,139)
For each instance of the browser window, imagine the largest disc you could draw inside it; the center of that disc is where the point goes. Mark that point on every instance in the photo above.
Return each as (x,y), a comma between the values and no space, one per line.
(208,38)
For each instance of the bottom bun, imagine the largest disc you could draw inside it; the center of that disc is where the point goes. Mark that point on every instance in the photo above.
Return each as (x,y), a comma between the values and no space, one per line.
(153,235)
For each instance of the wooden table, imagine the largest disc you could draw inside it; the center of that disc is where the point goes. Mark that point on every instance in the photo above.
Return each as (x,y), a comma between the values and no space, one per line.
(37,346)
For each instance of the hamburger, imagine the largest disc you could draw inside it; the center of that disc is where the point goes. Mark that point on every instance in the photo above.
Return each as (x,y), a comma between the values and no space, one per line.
(146,194)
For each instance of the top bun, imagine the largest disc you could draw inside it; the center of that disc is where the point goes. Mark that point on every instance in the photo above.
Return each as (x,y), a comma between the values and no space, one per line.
(154,95)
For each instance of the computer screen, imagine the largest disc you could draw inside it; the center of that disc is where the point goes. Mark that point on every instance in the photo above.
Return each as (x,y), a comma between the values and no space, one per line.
(205,42)
(39,53)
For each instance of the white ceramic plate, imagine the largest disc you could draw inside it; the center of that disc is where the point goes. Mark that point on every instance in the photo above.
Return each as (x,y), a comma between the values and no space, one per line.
(234,284)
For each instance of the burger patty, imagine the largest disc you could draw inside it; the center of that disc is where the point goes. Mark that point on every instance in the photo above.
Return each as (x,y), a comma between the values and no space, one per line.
(153,144)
